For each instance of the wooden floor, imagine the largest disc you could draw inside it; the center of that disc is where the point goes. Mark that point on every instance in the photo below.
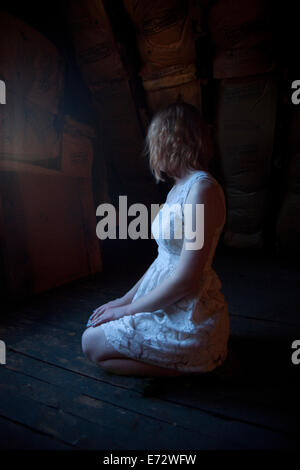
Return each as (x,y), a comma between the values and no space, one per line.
(51,397)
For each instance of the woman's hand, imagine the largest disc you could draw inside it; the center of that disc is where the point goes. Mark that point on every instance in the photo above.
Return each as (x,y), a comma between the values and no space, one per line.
(110,314)
(112,304)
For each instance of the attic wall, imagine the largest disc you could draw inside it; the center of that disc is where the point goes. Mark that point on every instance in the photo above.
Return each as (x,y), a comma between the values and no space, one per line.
(84,79)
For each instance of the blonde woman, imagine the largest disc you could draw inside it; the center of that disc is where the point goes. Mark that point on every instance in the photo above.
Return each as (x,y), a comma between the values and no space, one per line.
(174,320)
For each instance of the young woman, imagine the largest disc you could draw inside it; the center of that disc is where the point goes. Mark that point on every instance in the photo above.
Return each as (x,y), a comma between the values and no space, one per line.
(175,319)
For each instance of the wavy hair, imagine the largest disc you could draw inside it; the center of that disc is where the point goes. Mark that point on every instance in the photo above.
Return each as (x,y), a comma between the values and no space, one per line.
(177,139)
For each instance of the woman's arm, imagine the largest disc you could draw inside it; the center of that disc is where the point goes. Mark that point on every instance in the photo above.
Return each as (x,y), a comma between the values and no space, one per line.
(186,278)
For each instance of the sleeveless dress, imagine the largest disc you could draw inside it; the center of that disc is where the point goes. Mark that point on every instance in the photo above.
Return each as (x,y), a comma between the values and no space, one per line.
(190,335)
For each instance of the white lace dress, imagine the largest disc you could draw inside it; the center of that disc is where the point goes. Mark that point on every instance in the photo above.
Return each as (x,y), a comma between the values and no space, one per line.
(190,335)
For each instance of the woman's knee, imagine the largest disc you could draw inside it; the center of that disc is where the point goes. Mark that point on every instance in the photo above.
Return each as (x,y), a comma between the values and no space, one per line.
(86,343)
(91,345)
(95,346)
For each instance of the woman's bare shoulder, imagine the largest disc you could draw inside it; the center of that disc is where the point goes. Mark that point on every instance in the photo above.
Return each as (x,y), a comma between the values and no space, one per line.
(204,187)
(209,192)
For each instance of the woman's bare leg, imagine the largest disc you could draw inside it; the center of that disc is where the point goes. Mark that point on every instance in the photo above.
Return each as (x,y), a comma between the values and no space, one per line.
(97,349)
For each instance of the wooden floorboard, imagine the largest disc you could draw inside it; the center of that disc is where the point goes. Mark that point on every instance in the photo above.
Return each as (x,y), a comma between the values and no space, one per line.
(226,432)
(54,398)
(227,409)
(15,436)
(98,423)
(261,348)
(65,427)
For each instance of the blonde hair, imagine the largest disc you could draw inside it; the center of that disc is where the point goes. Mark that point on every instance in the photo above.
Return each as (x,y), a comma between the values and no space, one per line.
(177,139)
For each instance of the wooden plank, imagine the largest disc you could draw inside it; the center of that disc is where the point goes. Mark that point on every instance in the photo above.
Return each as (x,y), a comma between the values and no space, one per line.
(36,339)
(65,427)
(262,391)
(15,436)
(246,406)
(55,346)
(222,428)
(126,429)
(263,358)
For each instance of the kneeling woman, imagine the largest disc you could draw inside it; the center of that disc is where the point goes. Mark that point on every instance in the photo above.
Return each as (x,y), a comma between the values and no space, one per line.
(175,319)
